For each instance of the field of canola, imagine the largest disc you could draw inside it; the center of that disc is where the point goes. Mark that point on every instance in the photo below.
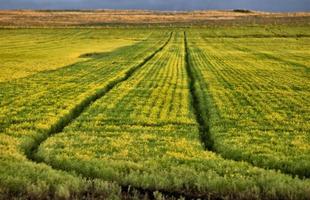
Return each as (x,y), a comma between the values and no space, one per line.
(217,113)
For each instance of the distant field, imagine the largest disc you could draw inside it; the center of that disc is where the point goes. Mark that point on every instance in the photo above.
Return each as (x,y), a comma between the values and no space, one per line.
(24,52)
(98,18)
(155,113)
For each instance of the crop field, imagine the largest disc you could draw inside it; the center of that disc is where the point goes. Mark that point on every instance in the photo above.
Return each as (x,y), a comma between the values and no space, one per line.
(155,113)
(25,52)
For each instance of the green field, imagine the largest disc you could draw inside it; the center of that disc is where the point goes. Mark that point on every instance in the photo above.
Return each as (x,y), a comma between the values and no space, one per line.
(28,51)
(160,113)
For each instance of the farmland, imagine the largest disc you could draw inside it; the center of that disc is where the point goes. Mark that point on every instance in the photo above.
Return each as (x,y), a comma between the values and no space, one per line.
(22,55)
(155,113)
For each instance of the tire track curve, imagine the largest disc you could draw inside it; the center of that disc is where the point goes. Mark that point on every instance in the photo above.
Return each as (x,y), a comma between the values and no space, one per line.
(203,115)
(66,120)
(74,113)
(204,129)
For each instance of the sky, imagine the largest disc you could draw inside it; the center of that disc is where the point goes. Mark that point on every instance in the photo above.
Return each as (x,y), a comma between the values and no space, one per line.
(263,5)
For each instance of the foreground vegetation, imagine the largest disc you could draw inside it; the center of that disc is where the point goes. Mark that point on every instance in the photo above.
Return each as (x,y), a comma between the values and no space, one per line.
(198,113)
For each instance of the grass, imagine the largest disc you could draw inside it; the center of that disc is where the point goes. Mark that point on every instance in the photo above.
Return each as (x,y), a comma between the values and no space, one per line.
(134,122)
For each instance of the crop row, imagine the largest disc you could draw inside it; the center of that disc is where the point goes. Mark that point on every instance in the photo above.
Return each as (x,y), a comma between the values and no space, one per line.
(158,103)
(256,102)
(34,106)
(144,133)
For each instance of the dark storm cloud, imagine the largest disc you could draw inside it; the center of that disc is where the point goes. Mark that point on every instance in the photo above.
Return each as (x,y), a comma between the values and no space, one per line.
(266,5)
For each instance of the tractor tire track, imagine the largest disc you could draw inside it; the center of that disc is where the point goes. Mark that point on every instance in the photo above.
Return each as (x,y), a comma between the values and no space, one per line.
(74,113)
(203,116)
(126,190)
(80,108)
(204,129)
